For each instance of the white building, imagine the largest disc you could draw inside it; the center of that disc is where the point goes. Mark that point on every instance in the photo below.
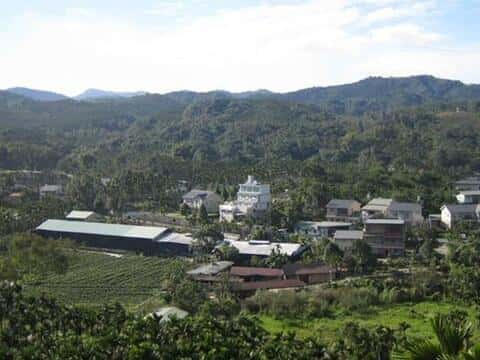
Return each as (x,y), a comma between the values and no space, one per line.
(452,214)
(264,248)
(253,198)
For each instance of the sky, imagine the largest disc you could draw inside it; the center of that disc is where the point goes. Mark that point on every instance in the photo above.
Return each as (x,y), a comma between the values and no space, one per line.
(236,45)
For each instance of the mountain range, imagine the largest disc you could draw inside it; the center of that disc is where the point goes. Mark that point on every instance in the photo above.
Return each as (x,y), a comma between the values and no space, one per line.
(371,94)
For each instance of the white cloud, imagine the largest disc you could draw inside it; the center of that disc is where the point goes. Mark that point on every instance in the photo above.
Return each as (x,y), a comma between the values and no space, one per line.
(280,47)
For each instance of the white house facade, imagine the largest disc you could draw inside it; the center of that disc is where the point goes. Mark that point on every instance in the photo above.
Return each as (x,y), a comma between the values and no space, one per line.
(253,198)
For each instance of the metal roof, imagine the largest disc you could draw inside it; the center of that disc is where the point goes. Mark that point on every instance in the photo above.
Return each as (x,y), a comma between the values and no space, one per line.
(77,214)
(322,224)
(53,188)
(385,221)
(211,269)
(405,206)
(255,271)
(342,204)
(197,193)
(461,208)
(377,204)
(469,192)
(175,238)
(92,228)
(264,249)
(348,234)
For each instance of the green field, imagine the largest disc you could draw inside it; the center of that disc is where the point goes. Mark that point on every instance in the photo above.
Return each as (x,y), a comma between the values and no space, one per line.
(96,279)
(417,316)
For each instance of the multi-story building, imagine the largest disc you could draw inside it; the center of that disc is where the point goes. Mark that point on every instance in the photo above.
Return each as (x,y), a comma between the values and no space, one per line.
(468,197)
(194,199)
(320,229)
(386,237)
(253,199)
(411,213)
(343,210)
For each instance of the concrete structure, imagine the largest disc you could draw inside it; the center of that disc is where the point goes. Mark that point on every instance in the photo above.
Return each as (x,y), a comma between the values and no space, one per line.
(81,215)
(468,197)
(52,190)
(167,313)
(194,199)
(343,210)
(411,213)
(469,183)
(376,207)
(386,237)
(253,199)
(452,214)
(320,229)
(151,240)
(345,238)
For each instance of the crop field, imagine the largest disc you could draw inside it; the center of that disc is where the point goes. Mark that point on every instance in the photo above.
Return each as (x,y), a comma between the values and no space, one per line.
(97,279)
(417,316)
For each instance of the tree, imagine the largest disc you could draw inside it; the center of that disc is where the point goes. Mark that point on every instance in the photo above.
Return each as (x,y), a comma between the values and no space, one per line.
(203,214)
(208,237)
(361,259)
(333,255)
(453,333)
(276,259)
(185,210)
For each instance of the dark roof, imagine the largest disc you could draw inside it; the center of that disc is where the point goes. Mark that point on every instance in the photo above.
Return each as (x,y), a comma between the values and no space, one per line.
(339,203)
(255,271)
(461,208)
(270,284)
(405,206)
(192,194)
(310,269)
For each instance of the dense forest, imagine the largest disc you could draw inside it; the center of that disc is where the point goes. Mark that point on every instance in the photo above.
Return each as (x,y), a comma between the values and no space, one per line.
(398,137)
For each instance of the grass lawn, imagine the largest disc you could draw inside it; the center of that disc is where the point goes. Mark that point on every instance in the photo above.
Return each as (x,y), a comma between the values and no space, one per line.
(416,315)
(96,279)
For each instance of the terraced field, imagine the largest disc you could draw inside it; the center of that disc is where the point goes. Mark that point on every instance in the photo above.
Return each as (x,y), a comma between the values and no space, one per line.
(96,279)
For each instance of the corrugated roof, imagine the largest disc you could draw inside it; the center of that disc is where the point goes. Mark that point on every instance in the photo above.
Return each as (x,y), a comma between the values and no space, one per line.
(175,238)
(250,248)
(461,208)
(385,221)
(270,284)
(377,204)
(77,214)
(255,271)
(52,188)
(341,204)
(92,228)
(348,234)
(211,269)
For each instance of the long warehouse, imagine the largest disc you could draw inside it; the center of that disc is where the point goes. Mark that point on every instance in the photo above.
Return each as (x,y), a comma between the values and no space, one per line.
(150,240)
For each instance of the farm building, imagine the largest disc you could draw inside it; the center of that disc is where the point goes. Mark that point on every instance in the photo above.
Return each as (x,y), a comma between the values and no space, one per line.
(81,215)
(147,239)
(263,248)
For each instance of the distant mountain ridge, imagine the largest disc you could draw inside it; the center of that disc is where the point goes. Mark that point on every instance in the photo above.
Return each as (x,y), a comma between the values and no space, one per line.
(367,95)
(37,95)
(96,94)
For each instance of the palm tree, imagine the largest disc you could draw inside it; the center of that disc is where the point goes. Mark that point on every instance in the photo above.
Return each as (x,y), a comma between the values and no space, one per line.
(453,337)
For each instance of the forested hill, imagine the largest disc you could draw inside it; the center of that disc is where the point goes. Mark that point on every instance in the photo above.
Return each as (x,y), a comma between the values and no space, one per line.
(437,119)
(368,95)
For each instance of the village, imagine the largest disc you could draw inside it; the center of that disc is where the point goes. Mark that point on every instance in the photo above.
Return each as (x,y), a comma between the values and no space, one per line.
(255,260)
